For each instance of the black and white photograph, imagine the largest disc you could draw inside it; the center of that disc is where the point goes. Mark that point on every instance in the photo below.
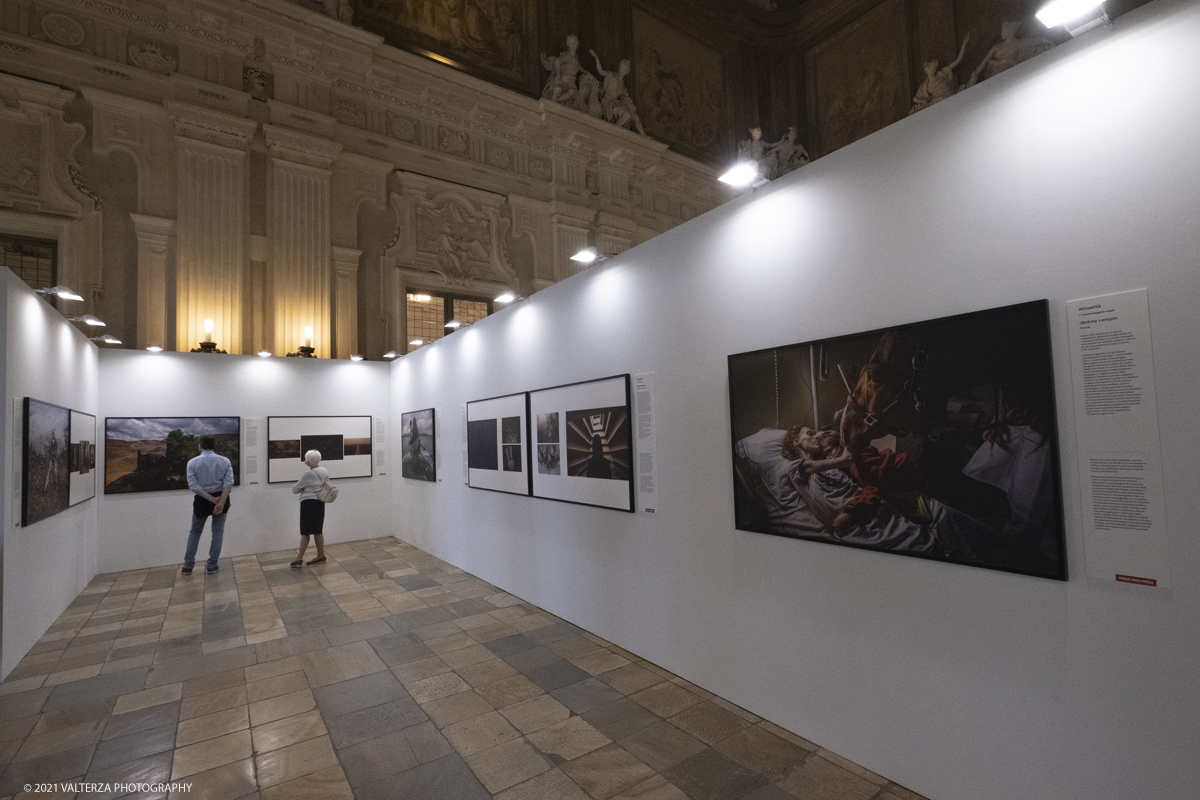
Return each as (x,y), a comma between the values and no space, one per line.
(46,490)
(82,458)
(935,439)
(150,454)
(496,444)
(343,442)
(419,445)
(592,424)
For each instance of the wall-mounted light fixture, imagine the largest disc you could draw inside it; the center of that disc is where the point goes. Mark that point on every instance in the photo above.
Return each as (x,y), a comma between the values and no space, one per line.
(509,297)
(742,174)
(589,255)
(264,354)
(88,319)
(454,324)
(208,345)
(390,354)
(1077,16)
(59,291)
(416,342)
(106,339)
(305,350)
(356,357)
(154,348)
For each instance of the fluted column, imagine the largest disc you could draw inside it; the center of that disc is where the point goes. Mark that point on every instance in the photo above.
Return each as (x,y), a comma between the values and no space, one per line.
(300,278)
(212,162)
(345,267)
(156,245)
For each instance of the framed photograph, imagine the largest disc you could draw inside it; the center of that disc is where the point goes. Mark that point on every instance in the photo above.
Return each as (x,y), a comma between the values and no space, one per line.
(81,459)
(343,442)
(150,454)
(46,441)
(497,434)
(935,439)
(584,443)
(419,446)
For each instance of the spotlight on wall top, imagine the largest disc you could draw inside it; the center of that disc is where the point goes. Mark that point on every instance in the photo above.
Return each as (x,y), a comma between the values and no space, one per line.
(106,339)
(390,354)
(453,324)
(88,319)
(60,291)
(264,353)
(1077,16)
(742,174)
(417,342)
(589,255)
(154,348)
(356,357)
(509,297)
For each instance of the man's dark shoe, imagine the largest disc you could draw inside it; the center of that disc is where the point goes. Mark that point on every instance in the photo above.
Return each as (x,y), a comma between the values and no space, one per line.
(211,570)
(186,571)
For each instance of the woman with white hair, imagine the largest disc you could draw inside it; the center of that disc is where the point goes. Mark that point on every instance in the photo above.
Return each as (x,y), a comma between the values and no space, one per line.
(312,510)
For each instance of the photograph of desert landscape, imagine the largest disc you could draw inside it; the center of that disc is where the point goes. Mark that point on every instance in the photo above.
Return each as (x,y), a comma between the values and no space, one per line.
(150,454)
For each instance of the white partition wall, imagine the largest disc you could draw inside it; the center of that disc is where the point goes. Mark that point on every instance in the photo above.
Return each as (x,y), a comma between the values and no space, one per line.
(46,564)
(1073,175)
(149,529)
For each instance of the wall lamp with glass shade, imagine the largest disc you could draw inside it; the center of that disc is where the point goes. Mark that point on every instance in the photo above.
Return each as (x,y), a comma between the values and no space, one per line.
(59,291)
(1077,16)
(106,339)
(88,319)
(743,174)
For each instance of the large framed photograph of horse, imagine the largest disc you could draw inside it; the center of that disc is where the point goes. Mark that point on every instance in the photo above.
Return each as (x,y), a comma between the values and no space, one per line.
(935,439)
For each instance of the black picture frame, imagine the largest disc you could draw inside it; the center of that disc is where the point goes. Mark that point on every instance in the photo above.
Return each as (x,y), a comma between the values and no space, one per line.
(938,388)
(164,471)
(413,465)
(616,447)
(45,476)
(479,476)
(339,469)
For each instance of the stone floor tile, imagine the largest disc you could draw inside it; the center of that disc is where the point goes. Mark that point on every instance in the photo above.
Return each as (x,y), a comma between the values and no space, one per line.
(656,788)
(134,721)
(210,753)
(197,729)
(375,759)
(533,715)
(45,744)
(599,662)
(556,676)
(359,693)
(456,708)
(57,767)
(136,701)
(211,683)
(665,699)
(708,775)
(290,646)
(847,764)
(70,717)
(360,631)
(133,747)
(481,733)
(369,723)
(485,672)
(340,663)
(709,722)
(568,739)
(763,752)
(525,661)
(550,785)
(209,703)
(435,688)
(288,763)
(273,687)
(287,731)
(618,719)
(586,695)
(448,778)
(271,669)
(662,745)
(465,657)
(233,780)
(286,705)
(427,743)
(569,646)
(325,784)
(507,764)
(604,772)
(419,670)
(818,777)
(151,769)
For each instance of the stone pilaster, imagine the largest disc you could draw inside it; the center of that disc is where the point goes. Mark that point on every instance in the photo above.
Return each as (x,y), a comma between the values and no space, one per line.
(345,270)
(156,255)
(211,165)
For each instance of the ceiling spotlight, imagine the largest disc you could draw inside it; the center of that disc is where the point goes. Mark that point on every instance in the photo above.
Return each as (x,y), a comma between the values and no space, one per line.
(106,339)
(417,342)
(744,173)
(60,291)
(264,354)
(509,297)
(421,298)
(391,354)
(88,319)
(588,255)
(1077,16)
(453,324)
(356,357)
(154,348)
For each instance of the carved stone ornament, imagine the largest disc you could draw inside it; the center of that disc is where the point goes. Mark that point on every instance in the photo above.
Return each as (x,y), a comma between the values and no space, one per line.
(452,141)
(1008,52)
(20,156)
(458,239)
(540,168)
(348,113)
(256,82)
(206,125)
(614,97)
(499,156)
(153,58)
(82,186)
(290,145)
(402,128)
(63,30)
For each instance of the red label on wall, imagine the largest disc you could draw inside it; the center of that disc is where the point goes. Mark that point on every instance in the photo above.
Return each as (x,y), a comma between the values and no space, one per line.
(1138,581)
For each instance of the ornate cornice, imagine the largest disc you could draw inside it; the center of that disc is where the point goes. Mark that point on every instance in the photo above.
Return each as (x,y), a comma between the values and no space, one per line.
(290,145)
(214,127)
(108,10)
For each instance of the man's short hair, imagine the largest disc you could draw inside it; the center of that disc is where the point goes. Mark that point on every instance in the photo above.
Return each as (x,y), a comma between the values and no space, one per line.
(208,442)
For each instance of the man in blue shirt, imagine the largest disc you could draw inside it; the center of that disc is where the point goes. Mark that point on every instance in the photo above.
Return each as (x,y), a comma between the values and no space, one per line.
(210,476)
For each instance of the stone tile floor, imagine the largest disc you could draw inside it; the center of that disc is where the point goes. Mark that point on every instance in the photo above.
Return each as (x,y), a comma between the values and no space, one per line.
(385,673)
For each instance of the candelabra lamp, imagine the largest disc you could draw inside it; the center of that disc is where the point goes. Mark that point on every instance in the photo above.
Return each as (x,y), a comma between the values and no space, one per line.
(305,350)
(208,345)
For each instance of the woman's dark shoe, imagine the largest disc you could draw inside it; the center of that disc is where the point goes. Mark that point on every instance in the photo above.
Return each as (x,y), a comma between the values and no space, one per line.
(297,564)
(320,560)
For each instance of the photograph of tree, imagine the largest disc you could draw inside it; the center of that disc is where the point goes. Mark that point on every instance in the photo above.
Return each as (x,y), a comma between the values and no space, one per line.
(935,439)
(46,490)
(150,454)
(419,445)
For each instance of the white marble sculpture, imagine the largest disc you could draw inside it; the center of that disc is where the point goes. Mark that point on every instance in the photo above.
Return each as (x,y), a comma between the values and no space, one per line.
(754,149)
(773,159)
(1008,52)
(614,97)
(939,83)
(564,70)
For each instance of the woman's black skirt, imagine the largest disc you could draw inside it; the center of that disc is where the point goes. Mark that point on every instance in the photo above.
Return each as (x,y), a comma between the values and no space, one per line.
(312,517)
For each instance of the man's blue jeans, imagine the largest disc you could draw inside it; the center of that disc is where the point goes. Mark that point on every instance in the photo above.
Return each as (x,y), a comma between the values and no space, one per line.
(214,549)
